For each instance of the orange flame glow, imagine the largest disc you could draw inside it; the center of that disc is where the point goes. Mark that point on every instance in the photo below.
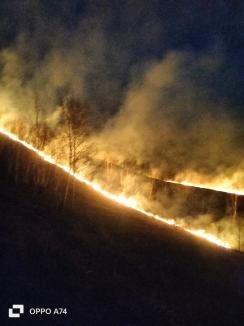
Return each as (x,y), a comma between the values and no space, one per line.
(129,202)
(224,187)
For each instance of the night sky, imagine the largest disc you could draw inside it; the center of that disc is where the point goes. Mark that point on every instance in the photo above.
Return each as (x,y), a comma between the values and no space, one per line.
(134,33)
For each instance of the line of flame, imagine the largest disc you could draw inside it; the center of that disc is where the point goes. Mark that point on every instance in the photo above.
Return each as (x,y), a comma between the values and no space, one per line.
(208,186)
(129,202)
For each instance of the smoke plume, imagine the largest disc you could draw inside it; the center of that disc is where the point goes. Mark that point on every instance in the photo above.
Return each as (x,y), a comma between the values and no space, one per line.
(164,83)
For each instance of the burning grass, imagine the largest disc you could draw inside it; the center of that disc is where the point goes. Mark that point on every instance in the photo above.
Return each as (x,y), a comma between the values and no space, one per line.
(130,201)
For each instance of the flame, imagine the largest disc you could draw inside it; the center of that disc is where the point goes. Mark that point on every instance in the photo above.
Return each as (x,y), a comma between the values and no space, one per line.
(121,199)
(224,187)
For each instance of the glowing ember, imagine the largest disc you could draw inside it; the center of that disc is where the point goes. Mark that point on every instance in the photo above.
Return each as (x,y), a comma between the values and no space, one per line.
(129,202)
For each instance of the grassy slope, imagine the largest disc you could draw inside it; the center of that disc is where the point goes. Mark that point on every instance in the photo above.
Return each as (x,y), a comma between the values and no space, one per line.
(105,263)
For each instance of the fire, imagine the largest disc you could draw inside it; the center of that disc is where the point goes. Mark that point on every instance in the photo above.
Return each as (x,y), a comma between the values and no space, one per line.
(222,185)
(121,199)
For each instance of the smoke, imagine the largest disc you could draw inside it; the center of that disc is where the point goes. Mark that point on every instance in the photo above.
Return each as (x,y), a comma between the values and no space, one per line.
(172,122)
(165,88)
(59,48)
(25,78)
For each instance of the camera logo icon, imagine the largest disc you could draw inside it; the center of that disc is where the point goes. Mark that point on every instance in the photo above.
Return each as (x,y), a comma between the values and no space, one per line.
(16,310)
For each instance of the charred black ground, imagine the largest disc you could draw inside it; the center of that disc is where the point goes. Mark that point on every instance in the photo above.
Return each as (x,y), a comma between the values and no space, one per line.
(107,264)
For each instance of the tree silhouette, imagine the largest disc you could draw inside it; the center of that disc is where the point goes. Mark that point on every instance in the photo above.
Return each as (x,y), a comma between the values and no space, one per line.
(75,120)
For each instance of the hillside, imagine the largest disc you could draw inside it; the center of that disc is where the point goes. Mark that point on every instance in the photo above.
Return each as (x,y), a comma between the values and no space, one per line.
(107,264)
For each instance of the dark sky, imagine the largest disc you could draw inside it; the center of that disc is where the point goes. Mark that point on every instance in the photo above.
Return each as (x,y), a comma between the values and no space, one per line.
(164,24)
(135,32)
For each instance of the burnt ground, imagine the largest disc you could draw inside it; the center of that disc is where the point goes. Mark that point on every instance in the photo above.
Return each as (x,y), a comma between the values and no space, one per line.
(107,264)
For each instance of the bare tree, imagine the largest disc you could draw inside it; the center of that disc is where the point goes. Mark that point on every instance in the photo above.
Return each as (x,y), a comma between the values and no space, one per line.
(40,132)
(75,116)
(75,122)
